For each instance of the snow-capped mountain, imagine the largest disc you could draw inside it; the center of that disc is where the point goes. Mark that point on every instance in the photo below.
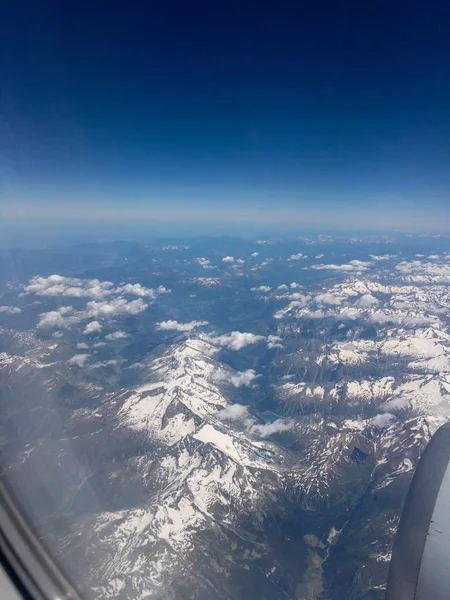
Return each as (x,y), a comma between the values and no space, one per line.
(263,455)
(208,501)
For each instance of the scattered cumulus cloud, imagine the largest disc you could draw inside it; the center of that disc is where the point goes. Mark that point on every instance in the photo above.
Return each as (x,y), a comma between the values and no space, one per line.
(255,254)
(296,256)
(353,265)
(239,412)
(82,346)
(382,318)
(329,298)
(424,272)
(78,360)
(204,262)
(161,289)
(228,259)
(379,257)
(367,301)
(318,314)
(58,285)
(237,340)
(274,341)
(105,363)
(239,379)
(176,325)
(136,289)
(418,321)
(56,319)
(399,403)
(319,256)
(116,335)
(10,310)
(350,314)
(264,263)
(233,412)
(92,327)
(383,419)
(115,307)
(261,288)
(104,300)
(270,428)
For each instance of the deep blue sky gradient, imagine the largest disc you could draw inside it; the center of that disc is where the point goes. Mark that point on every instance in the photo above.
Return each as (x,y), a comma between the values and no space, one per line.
(158,108)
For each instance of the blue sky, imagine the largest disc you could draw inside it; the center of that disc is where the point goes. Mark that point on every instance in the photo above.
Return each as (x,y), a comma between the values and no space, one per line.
(334,113)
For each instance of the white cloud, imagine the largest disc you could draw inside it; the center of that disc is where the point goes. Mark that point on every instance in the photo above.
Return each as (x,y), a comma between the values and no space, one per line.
(264,263)
(82,346)
(366,301)
(237,340)
(106,301)
(384,318)
(228,259)
(10,310)
(329,299)
(136,365)
(318,314)
(78,360)
(424,272)
(293,308)
(233,412)
(167,325)
(105,363)
(418,321)
(350,314)
(353,265)
(243,378)
(319,256)
(239,412)
(204,262)
(383,419)
(270,428)
(92,327)
(116,335)
(406,267)
(240,261)
(57,285)
(115,307)
(136,289)
(283,287)
(255,254)
(261,288)
(56,318)
(382,256)
(161,289)
(399,403)
(274,341)
(296,256)
(360,263)
(239,378)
